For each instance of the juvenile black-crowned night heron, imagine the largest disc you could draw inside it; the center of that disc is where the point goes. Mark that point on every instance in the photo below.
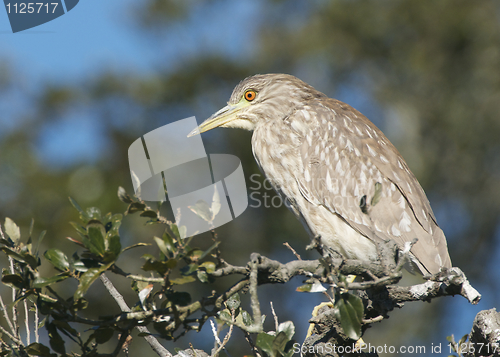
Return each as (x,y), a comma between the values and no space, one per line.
(340,175)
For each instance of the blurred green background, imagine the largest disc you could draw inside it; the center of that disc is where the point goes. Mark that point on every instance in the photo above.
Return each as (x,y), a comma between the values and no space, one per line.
(76,92)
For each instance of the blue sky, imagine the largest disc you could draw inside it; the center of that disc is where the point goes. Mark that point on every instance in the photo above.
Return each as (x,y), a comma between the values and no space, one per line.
(100,34)
(95,34)
(104,35)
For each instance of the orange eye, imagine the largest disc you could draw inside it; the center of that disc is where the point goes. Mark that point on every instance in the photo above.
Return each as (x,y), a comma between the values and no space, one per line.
(250,95)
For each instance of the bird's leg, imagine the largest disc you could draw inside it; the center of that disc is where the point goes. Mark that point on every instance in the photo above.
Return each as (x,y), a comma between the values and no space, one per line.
(316,244)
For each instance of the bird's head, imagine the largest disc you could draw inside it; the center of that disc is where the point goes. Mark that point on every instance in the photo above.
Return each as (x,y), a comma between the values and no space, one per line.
(258,99)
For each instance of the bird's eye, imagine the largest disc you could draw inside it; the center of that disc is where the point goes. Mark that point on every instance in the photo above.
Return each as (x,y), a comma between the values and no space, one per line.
(250,95)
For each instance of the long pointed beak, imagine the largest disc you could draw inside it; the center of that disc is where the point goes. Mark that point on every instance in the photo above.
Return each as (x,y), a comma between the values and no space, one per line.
(220,118)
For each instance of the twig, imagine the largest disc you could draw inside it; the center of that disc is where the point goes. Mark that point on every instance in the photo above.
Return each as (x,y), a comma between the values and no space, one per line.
(122,343)
(153,342)
(293,250)
(387,280)
(13,325)
(252,345)
(36,324)
(117,270)
(229,269)
(372,320)
(214,332)
(14,308)
(226,338)
(13,338)
(254,299)
(448,282)
(6,315)
(26,322)
(114,293)
(275,317)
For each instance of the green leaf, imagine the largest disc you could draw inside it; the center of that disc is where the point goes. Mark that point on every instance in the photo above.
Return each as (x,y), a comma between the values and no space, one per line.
(234,302)
(31,260)
(13,254)
(123,195)
(78,228)
(96,234)
(160,267)
(103,335)
(169,243)
(195,254)
(279,343)
(162,246)
(463,339)
(183,280)
(32,225)
(116,219)
(64,327)
(171,263)
(12,229)
(113,247)
(189,269)
(41,282)
(212,247)
(135,246)
(57,258)
(288,328)
(37,349)
(83,216)
(88,278)
(180,298)
(225,315)
(182,231)
(202,210)
(149,213)
(42,323)
(85,281)
(135,207)
(350,313)
(265,342)
(78,265)
(40,238)
(208,266)
(245,318)
(203,276)
(13,280)
(76,205)
(94,213)
(175,231)
(215,208)
(56,342)
(148,256)
(8,242)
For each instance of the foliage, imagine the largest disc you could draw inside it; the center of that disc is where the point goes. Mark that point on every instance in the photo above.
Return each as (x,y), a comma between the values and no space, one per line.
(161,301)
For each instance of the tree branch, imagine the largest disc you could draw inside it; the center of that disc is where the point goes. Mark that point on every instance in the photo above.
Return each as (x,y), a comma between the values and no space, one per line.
(484,338)
(153,342)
